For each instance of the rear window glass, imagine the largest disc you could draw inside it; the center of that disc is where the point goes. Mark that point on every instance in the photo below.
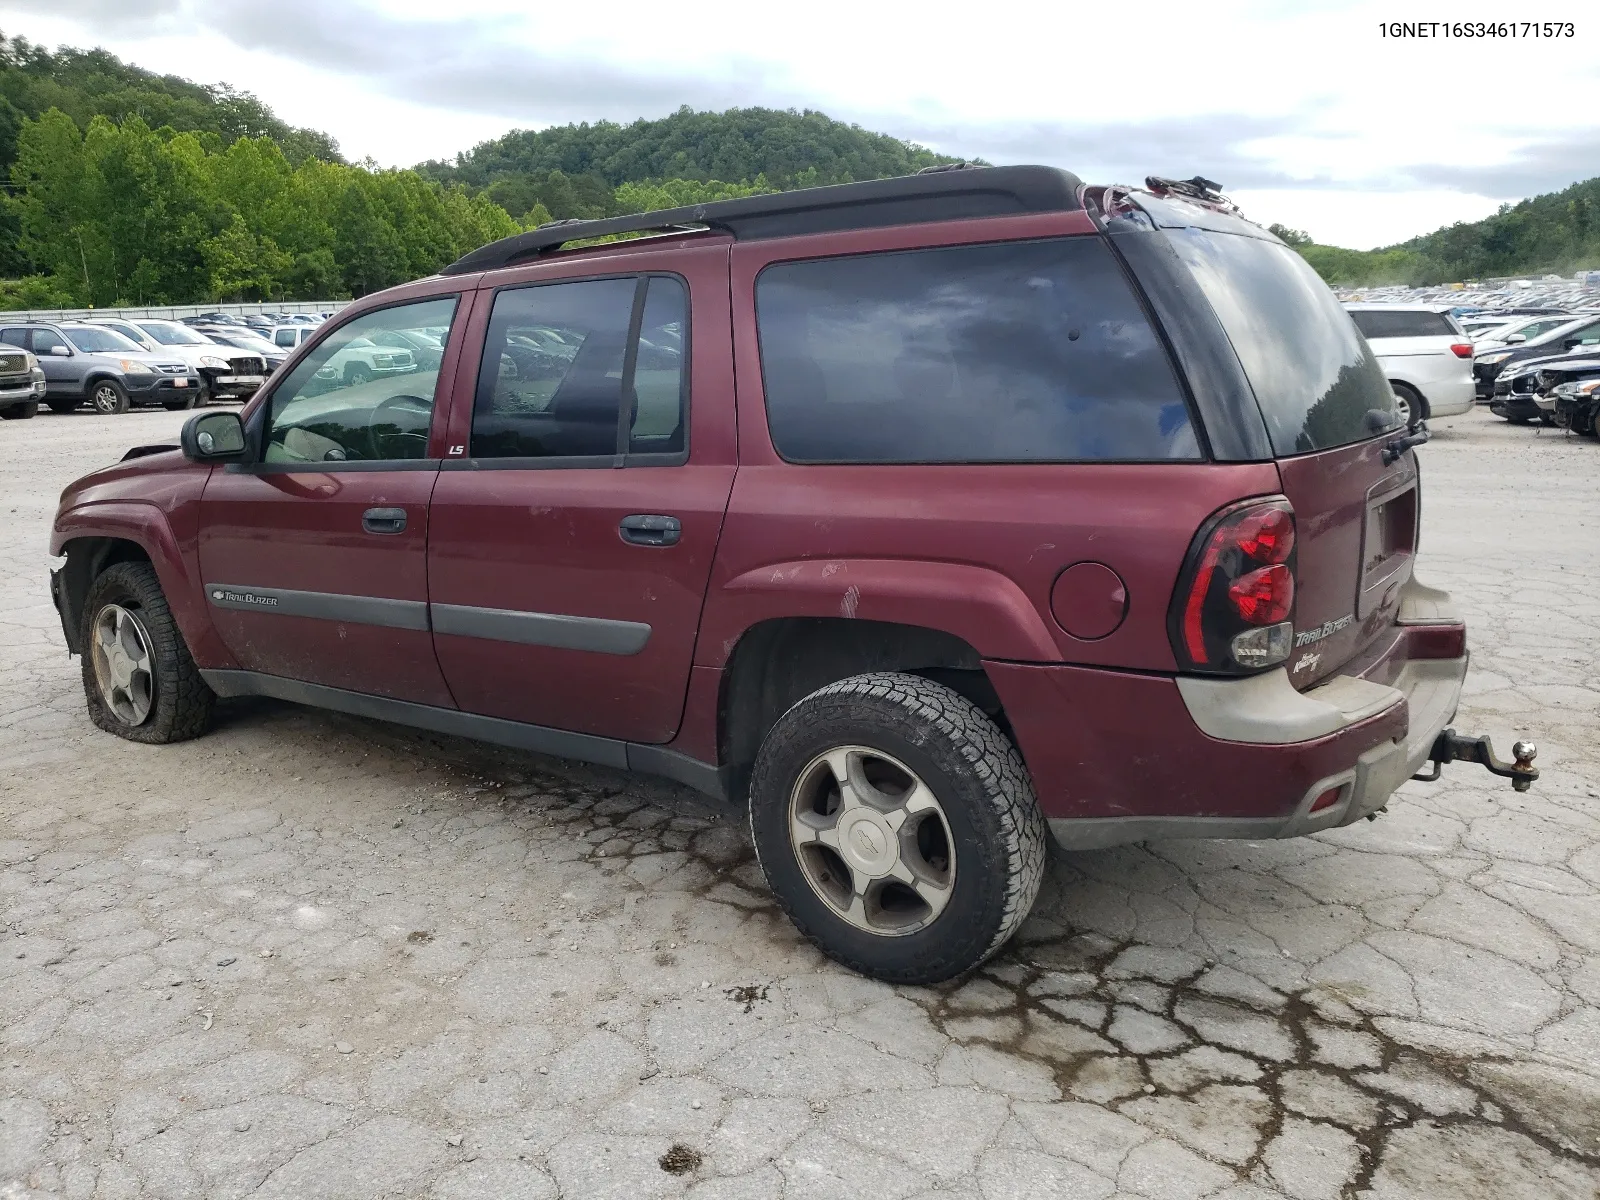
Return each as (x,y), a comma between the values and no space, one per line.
(1314,377)
(1375,324)
(1014,352)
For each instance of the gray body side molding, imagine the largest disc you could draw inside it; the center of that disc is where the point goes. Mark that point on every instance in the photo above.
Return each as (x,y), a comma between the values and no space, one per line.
(326,606)
(557,630)
(541,629)
(541,739)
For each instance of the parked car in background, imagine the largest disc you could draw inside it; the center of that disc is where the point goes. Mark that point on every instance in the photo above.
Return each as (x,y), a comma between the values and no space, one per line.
(248,340)
(424,348)
(22,384)
(287,337)
(1564,338)
(94,365)
(935,582)
(1525,391)
(1516,332)
(361,359)
(225,374)
(1424,354)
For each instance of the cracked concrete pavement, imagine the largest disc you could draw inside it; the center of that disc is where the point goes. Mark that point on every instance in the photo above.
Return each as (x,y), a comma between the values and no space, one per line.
(312,956)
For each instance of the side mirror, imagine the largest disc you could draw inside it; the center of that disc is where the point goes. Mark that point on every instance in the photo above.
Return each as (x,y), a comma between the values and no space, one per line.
(1516,339)
(59,352)
(213,437)
(1572,343)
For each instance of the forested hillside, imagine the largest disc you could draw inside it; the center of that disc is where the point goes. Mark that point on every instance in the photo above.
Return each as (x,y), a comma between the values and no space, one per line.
(574,170)
(1557,232)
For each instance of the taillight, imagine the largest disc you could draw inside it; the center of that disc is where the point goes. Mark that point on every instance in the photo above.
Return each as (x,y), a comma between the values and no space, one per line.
(1235,601)
(1462,349)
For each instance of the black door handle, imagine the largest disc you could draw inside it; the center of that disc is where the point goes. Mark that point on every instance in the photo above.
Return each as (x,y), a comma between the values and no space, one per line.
(649,529)
(384,520)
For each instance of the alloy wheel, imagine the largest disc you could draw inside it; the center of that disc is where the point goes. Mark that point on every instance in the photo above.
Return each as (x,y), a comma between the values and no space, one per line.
(124,665)
(106,399)
(872,840)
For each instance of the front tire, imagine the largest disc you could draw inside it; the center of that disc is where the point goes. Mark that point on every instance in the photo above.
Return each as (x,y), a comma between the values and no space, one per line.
(139,679)
(186,403)
(62,407)
(109,398)
(21,412)
(897,827)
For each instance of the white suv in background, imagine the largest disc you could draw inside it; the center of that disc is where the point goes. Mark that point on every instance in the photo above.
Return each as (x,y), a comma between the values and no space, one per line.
(1423,352)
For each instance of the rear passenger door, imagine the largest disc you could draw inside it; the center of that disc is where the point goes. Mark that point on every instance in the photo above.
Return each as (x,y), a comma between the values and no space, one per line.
(572,536)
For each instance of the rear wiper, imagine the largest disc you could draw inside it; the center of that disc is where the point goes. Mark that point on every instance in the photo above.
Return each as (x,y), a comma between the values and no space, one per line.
(1416,434)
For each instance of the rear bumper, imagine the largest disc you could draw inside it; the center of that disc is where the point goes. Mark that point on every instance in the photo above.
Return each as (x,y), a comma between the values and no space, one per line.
(1121,758)
(1450,398)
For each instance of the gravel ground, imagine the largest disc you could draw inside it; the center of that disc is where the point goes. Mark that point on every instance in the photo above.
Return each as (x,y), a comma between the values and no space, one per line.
(311,956)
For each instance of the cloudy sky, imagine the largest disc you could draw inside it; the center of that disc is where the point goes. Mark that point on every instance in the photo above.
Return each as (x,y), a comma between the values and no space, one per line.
(1303,110)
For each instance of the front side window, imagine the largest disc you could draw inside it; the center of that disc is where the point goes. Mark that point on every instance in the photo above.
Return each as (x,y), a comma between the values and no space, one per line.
(1008,352)
(46,340)
(14,337)
(352,400)
(588,369)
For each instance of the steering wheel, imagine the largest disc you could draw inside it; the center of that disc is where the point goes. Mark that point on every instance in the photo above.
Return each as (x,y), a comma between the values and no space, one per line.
(409,439)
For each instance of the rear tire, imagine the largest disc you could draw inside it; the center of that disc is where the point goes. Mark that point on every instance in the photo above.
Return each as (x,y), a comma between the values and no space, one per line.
(164,699)
(21,412)
(973,843)
(1408,402)
(109,398)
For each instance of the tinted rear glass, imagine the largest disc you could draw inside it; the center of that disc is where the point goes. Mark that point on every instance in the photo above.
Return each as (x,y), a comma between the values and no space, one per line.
(1313,374)
(1376,324)
(1014,352)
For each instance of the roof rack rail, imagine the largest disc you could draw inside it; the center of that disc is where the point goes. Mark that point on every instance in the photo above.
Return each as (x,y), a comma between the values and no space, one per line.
(946,195)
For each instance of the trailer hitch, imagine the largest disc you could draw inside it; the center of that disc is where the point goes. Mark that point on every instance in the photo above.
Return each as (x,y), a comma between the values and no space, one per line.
(1451,746)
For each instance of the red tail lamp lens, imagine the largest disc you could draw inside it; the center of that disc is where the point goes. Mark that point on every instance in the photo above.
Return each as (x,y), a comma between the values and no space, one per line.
(1266,535)
(1462,349)
(1263,597)
(1240,577)
(1328,799)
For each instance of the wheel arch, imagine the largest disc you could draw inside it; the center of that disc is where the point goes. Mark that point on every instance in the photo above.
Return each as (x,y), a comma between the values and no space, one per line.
(99,535)
(778,661)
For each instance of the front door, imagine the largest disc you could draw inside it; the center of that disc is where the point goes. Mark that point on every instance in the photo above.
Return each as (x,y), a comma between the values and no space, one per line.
(314,557)
(572,545)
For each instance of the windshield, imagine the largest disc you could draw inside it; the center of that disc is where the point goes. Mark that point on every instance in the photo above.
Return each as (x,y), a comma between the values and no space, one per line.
(99,341)
(172,335)
(245,341)
(1313,374)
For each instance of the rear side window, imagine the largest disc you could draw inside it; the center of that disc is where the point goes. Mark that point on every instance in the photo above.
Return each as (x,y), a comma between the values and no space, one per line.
(14,337)
(1314,376)
(584,370)
(1011,352)
(1376,324)
(284,337)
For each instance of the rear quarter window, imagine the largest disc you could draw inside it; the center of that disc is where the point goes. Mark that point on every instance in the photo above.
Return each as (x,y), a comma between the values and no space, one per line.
(1314,376)
(1008,352)
(1374,324)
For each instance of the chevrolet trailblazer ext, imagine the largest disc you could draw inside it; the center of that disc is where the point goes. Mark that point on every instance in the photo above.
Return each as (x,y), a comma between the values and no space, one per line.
(924,515)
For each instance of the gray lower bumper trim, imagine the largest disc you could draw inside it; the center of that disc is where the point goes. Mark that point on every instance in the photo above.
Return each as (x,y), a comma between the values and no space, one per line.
(1432,690)
(541,739)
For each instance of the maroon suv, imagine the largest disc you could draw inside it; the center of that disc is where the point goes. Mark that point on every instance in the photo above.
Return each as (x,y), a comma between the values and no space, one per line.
(923,515)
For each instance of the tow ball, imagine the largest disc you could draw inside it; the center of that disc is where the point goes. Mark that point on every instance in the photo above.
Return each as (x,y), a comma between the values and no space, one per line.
(1451,746)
